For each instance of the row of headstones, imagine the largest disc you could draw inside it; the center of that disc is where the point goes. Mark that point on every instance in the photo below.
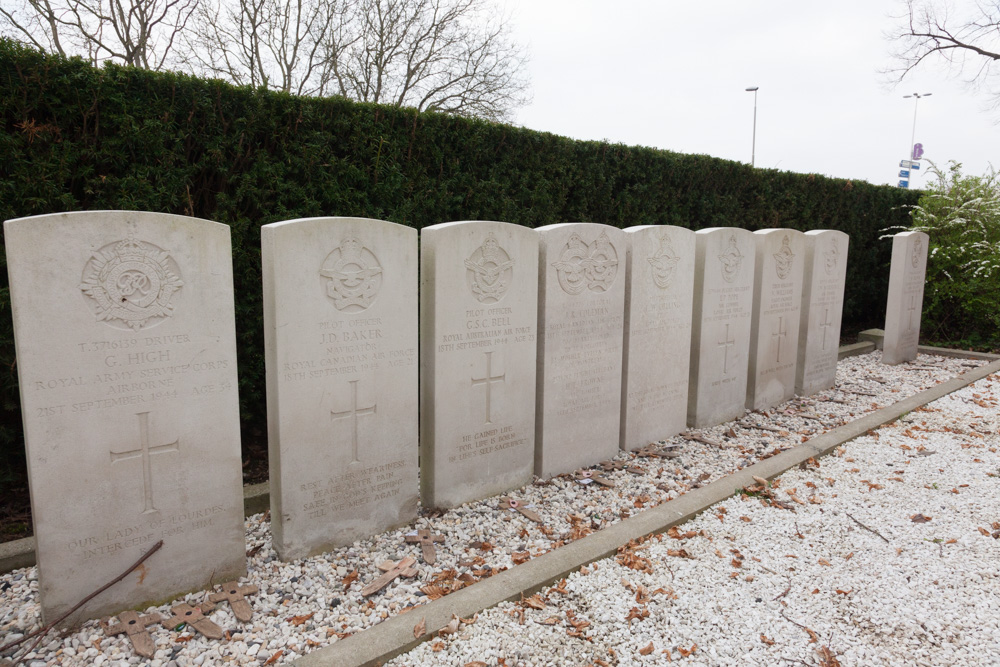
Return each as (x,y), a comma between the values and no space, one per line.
(541,351)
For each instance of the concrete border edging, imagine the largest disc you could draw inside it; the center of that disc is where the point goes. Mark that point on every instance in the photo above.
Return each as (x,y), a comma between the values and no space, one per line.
(394,636)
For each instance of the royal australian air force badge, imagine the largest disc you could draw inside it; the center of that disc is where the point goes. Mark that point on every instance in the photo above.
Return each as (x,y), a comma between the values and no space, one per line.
(489,271)
(353,275)
(130,283)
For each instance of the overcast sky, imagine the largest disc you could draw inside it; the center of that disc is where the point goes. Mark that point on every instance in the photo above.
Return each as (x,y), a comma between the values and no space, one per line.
(672,75)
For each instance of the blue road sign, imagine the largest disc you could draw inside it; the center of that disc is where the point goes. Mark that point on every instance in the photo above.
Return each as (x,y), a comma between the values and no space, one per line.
(904,173)
(904,164)
(904,184)
(914,165)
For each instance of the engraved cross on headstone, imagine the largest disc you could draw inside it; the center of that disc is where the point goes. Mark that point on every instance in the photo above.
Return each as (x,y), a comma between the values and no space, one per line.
(726,343)
(353,415)
(488,381)
(825,324)
(779,334)
(913,307)
(145,452)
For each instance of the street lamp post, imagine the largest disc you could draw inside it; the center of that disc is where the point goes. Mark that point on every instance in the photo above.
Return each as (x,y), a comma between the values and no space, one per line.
(753,149)
(913,134)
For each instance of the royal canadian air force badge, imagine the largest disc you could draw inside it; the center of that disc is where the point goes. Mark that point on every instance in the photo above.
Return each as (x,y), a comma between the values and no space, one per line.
(130,283)
(353,275)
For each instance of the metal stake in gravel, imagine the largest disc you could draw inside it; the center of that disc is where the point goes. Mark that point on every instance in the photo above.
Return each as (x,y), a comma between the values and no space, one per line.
(404,568)
(426,540)
(512,504)
(195,617)
(235,594)
(134,625)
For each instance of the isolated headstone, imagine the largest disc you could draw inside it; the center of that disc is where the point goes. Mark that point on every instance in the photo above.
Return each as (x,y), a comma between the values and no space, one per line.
(824,277)
(340,333)
(774,328)
(581,316)
(906,297)
(659,284)
(720,327)
(479,310)
(126,356)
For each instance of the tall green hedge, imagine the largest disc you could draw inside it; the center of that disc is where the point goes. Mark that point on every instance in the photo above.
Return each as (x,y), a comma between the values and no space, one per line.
(79,138)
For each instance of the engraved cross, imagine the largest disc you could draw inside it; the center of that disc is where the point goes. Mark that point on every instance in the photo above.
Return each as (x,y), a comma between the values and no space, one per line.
(825,324)
(909,320)
(145,452)
(353,415)
(488,381)
(779,334)
(726,343)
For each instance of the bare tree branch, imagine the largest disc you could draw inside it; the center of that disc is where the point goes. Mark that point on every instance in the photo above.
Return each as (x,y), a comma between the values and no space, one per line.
(966,41)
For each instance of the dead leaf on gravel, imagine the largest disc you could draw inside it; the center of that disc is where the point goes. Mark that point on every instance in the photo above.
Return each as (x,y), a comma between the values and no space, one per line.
(437,646)
(920,518)
(827,657)
(679,553)
(274,658)
(686,653)
(520,557)
(299,620)
(451,628)
(475,663)
(420,628)
(769,642)
(551,620)
(349,579)
(535,602)
(823,561)
(675,533)
(646,650)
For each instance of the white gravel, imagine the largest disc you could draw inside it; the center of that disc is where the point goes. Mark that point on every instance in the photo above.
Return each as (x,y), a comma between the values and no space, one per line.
(306,603)
(843,576)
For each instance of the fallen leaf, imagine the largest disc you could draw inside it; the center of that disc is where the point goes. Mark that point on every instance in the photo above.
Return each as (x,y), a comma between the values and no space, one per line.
(823,561)
(746,519)
(769,642)
(849,556)
(349,579)
(694,647)
(451,628)
(475,663)
(646,650)
(675,533)
(679,553)
(847,592)
(437,646)
(951,541)
(551,620)
(920,518)
(535,602)
(420,628)
(813,637)
(984,531)
(277,654)
(299,620)
(827,657)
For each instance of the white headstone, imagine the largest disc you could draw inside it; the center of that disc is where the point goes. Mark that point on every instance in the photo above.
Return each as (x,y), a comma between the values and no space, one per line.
(659,287)
(906,297)
(126,355)
(824,277)
(720,327)
(774,328)
(581,318)
(479,310)
(340,332)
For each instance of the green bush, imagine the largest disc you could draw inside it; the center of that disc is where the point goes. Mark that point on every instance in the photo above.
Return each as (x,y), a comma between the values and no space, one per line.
(961,215)
(82,138)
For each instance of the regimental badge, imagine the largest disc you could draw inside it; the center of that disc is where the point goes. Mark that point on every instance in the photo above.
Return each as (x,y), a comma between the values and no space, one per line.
(353,275)
(918,248)
(783,259)
(581,266)
(130,283)
(732,260)
(490,270)
(831,257)
(663,263)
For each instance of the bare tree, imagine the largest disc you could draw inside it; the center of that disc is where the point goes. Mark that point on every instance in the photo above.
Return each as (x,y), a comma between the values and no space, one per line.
(455,56)
(142,33)
(966,39)
(272,43)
